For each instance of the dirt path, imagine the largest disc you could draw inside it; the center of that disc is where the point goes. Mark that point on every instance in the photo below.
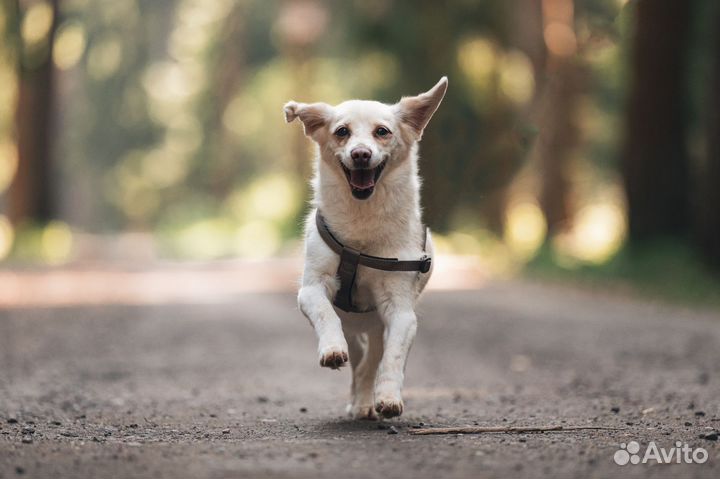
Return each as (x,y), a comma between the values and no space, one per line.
(233,389)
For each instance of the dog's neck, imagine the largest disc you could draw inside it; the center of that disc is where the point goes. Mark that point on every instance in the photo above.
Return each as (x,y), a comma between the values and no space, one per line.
(388,220)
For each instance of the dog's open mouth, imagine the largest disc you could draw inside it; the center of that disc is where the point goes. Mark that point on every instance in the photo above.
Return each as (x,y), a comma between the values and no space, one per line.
(362,180)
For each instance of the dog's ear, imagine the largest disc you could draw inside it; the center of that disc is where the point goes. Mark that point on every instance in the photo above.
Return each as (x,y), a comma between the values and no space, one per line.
(416,111)
(313,115)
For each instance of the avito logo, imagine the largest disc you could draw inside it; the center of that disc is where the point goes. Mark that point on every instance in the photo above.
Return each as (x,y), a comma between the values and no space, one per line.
(680,454)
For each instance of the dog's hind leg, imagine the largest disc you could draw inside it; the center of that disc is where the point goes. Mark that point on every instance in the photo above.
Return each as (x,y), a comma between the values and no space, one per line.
(365,354)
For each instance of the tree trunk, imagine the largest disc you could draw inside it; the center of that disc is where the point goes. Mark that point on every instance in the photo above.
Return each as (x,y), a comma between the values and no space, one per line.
(708,224)
(654,160)
(31,192)
(557,114)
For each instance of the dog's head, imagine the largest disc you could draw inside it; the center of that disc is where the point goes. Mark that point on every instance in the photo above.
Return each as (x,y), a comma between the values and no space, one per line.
(362,139)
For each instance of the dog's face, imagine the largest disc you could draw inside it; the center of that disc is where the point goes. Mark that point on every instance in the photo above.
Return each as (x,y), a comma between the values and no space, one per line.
(363,139)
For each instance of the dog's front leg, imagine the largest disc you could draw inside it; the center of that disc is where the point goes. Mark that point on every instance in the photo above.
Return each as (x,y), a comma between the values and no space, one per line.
(400,327)
(315,305)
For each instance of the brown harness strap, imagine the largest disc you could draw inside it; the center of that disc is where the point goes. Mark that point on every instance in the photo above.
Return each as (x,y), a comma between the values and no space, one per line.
(351,258)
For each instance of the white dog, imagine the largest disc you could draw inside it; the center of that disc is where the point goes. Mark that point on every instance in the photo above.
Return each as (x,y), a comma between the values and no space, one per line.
(367,213)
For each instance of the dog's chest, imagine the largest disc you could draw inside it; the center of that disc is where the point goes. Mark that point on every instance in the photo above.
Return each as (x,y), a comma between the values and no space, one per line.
(367,289)
(372,288)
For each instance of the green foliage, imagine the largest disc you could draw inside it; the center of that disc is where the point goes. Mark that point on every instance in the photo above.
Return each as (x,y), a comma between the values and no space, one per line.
(169,119)
(475,143)
(667,271)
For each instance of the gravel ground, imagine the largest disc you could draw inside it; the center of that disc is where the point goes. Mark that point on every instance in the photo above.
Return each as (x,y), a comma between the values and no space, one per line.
(234,389)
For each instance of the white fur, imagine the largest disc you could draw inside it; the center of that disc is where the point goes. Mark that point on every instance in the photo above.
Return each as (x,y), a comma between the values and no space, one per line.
(386,224)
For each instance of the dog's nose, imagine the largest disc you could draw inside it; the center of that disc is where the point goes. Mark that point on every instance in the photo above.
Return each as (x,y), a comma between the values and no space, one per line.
(361,157)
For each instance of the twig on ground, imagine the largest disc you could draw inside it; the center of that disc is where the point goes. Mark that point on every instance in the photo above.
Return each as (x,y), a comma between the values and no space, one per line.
(504,429)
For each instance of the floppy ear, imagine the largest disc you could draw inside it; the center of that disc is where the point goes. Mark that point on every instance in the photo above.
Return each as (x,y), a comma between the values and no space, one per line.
(313,116)
(416,111)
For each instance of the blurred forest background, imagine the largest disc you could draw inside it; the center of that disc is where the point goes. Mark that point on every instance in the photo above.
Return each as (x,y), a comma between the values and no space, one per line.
(579,138)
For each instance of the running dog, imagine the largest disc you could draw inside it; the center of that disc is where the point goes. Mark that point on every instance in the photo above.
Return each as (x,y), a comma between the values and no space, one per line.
(368,256)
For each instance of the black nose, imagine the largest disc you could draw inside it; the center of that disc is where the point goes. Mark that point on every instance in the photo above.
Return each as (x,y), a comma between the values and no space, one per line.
(361,157)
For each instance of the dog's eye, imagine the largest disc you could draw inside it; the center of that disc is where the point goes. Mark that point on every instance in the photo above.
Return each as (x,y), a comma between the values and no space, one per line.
(381,131)
(342,132)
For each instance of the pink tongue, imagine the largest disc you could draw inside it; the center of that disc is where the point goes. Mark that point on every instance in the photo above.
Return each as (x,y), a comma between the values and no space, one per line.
(362,179)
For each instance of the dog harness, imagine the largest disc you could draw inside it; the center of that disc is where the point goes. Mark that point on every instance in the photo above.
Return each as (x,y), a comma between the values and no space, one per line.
(350,259)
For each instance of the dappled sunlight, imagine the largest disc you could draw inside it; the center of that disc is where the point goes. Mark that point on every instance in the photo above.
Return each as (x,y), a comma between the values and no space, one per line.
(301,23)
(597,234)
(164,167)
(558,31)
(52,243)
(6,236)
(258,215)
(488,67)
(378,70)
(516,77)
(8,92)
(105,57)
(477,57)
(274,197)
(129,189)
(604,57)
(257,239)
(205,239)
(69,45)
(245,117)
(598,228)
(479,250)
(198,15)
(163,121)
(464,242)
(37,22)
(170,86)
(56,242)
(252,228)
(8,163)
(184,134)
(525,228)
(560,39)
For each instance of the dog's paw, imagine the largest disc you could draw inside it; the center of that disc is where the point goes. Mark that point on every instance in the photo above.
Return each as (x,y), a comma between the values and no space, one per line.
(290,110)
(389,407)
(362,412)
(333,357)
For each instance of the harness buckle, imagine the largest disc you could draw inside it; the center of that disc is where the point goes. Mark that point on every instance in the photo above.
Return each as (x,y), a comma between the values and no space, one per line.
(425,263)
